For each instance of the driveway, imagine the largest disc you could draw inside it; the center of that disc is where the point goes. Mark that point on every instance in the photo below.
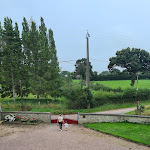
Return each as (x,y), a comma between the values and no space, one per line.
(48,137)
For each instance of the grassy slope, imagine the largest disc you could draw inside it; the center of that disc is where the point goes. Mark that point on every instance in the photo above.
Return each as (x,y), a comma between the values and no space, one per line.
(135,132)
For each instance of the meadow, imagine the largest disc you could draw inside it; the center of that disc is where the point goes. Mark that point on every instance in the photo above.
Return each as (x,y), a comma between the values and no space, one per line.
(104,100)
(124,84)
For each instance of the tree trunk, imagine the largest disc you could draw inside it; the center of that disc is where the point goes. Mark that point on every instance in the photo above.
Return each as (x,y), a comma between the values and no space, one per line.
(13,87)
(38,96)
(133,80)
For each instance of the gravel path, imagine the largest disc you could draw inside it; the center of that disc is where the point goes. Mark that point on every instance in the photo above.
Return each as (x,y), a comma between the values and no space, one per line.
(119,111)
(48,137)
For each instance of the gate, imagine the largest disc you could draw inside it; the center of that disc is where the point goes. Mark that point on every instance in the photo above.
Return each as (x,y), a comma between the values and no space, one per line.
(70,118)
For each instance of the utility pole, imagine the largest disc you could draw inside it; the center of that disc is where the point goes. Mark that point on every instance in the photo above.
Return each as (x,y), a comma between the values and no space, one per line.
(138,103)
(87,62)
(87,67)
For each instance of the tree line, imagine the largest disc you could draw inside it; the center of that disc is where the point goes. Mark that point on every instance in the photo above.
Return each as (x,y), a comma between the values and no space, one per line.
(29,56)
(135,62)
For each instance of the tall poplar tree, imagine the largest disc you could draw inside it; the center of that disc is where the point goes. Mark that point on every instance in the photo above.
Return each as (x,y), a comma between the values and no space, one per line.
(26,42)
(40,51)
(11,57)
(0,54)
(53,76)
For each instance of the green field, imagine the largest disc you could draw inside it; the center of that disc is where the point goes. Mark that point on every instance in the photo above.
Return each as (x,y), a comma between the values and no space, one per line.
(135,132)
(124,84)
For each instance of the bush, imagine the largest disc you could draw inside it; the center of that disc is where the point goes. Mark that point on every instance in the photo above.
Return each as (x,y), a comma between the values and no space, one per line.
(128,95)
(79,98)
(101,98)
(143,94)
(98,87)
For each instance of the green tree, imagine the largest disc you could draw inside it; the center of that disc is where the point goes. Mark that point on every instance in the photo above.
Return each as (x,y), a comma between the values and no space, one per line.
(0,53)
(80,69)
(115,71)
(52,75)
(41,60)
(11,61)
(133,60)
(105,73)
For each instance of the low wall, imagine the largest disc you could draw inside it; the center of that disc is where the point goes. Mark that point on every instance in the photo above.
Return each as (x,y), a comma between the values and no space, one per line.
(91,118)
(43,116)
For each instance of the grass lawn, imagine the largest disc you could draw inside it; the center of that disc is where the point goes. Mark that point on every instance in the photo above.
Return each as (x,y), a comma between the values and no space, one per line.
(135,132)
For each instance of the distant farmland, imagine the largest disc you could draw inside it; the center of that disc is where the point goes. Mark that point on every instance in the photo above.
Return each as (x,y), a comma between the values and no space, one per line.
(123,84)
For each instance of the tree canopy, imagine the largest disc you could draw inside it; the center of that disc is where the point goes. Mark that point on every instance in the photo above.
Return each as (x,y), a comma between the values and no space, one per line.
(80,68)
(31,58)
(133,60)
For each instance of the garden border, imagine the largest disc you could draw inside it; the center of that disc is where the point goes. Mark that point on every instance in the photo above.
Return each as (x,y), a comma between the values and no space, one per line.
(42,116)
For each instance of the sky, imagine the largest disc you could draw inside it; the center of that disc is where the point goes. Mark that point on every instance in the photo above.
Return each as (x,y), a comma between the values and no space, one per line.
(112,24)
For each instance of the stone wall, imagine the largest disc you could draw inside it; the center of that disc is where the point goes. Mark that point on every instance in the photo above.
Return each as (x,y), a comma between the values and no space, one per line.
(91,118)
(43,116)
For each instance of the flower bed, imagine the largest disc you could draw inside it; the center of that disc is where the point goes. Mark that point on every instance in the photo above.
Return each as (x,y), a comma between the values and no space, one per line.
(12,119)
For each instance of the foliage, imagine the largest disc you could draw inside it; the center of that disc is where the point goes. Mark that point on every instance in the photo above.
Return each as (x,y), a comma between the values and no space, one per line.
(97,87)
(103,97)
(134,60)
(136,132)
(80,69)
(11,58)
(128,95)
(31,58)
(78,98)
(143,111)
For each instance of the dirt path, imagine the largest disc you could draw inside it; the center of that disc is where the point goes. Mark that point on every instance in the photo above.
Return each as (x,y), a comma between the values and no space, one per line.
(119,111)
(48,137)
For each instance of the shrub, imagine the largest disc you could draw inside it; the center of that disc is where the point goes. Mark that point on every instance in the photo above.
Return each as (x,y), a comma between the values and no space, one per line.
(143,94)
(79,98)
(98,87)
(129,95)
(101,98)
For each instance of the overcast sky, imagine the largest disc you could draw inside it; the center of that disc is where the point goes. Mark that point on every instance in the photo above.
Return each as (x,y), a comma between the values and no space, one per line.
(112,25)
